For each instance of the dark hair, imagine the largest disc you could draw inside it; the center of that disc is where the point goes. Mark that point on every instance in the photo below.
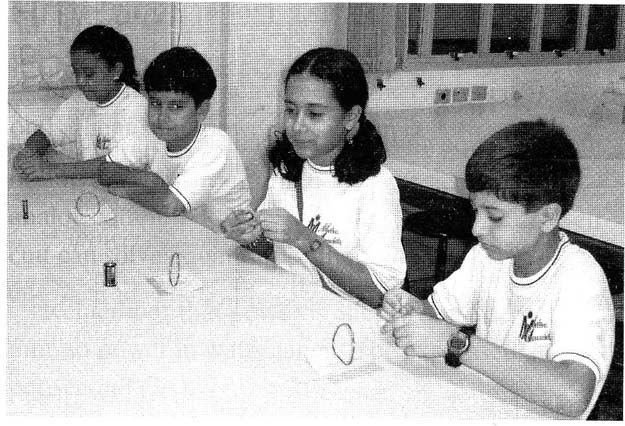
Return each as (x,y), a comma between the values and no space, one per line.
(359,159)
(183,70)
(112,47)
(532,163)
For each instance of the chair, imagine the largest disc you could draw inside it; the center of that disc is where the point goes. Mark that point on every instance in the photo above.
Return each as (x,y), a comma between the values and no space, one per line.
(442,225)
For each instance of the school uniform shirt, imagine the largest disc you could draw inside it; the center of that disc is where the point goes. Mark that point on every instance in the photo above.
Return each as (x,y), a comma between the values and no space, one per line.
(207,176)
(361,221)
(564,312)
(117,129)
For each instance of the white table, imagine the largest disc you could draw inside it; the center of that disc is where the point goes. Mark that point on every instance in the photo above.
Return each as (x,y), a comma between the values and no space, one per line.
(243,345)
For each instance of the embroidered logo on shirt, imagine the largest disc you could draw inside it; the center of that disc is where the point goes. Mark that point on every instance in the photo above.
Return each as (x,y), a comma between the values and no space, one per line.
(529,325)
(102,142)
(315,225)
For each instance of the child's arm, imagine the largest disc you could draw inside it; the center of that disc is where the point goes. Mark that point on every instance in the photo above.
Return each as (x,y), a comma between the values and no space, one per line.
(565,387)
(352,276)
(38,167)
(143,187)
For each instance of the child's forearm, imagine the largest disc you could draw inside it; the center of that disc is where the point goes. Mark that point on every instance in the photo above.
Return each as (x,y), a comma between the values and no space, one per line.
(155,197)
(564,387)
(351,276)
(77,170)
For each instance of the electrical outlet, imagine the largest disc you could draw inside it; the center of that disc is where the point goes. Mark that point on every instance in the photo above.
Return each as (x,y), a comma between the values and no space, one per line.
(478,93)
(442,96)
(460,94)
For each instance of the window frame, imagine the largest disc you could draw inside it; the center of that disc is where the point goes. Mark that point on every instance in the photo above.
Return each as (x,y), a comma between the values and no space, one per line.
(534,57)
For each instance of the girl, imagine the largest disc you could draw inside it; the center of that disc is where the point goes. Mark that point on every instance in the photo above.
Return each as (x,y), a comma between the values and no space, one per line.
(105,120)
(327,165)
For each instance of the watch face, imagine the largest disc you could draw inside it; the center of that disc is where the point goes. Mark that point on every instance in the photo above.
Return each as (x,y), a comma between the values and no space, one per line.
(458,342)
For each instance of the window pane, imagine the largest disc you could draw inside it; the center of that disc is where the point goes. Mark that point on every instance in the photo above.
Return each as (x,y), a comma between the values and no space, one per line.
(455,28)
(602,27)
(414,27)
(511,27)
(559,25)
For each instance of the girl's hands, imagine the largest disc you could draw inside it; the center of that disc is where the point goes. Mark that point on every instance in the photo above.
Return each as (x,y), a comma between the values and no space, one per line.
(241,226)
(281,226)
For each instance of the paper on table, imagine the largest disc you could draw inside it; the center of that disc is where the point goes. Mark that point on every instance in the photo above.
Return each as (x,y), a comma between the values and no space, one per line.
(369,348)
(187,283)
(105,213)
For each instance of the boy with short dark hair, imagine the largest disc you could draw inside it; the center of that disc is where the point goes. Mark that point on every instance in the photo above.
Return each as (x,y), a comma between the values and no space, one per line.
(201,174)
(541,305)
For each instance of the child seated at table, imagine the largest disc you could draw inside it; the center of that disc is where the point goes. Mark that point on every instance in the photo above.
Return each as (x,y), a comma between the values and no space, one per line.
(332,209)
(104,121)
(541,305)
(200,173)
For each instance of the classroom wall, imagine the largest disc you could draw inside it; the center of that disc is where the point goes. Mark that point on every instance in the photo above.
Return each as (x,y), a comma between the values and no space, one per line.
(250,46)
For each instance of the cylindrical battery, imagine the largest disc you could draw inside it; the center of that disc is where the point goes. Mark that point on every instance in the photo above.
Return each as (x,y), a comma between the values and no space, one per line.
(109,274)
(25,209)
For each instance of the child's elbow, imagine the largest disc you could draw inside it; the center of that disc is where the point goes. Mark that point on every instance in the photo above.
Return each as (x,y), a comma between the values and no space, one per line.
(574,400)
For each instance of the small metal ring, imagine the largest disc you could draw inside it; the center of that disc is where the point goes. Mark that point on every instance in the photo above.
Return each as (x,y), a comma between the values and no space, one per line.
(82,197)
(351,334)
(175,259)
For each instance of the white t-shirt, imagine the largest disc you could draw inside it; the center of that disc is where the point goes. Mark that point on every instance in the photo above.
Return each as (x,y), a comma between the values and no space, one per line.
(117,129)
(564,312)
(207,176)
(361,221)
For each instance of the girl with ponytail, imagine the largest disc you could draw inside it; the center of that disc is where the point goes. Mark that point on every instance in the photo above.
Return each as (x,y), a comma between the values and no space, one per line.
(332,210)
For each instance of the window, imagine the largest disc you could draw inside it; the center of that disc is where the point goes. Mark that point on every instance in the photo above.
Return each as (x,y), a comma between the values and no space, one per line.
(387,36)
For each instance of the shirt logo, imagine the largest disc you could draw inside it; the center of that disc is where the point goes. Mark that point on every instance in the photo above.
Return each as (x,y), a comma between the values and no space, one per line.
(528,327)
(315,225)
(102,142)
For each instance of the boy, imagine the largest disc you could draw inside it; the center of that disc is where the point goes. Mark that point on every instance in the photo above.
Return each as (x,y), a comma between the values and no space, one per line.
(200,174)
(544,316)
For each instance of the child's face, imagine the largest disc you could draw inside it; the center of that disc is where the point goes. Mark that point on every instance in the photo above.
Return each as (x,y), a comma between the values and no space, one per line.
(314,120)
(504,229)
(95,78)
(174,118)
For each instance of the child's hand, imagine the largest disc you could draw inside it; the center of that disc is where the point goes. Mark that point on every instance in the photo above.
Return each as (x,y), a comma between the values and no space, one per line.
(420,335)
(241,226)
(281,226)
(397,302)
(34,167)
(22,158)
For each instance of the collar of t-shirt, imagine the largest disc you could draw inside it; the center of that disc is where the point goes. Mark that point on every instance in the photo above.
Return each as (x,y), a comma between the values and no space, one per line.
(183,151)
(318,168)
(116,97)
(525,281)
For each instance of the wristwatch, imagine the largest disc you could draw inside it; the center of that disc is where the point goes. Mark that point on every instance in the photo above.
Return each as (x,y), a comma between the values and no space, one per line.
(458,343)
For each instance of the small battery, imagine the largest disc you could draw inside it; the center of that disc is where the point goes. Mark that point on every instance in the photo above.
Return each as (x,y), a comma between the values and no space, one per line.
(25,209)
(109,274)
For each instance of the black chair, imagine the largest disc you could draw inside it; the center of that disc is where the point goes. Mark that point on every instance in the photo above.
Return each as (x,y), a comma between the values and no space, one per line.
(442,225)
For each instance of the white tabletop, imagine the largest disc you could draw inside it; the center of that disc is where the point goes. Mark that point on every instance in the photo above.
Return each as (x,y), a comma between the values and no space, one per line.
(253,340)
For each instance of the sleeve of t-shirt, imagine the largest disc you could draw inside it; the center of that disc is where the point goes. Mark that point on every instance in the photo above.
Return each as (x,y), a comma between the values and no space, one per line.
(62,127)
(214,180)
(455,299)
(380,224)
(583,319)
(136,144)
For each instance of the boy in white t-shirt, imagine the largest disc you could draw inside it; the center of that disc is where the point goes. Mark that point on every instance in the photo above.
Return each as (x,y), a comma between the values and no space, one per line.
(200,173)
(541,305)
